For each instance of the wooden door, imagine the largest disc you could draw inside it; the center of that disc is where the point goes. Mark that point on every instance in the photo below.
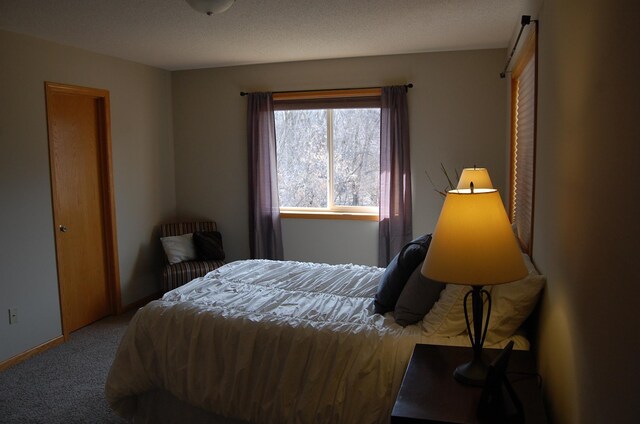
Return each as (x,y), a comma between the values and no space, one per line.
(84,225)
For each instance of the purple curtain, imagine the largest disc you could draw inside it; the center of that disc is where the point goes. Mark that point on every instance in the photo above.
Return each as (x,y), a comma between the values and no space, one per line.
(395,228)
(265,234)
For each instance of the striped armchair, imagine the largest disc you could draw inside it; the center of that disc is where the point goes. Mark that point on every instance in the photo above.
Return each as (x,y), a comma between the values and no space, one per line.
(181,273)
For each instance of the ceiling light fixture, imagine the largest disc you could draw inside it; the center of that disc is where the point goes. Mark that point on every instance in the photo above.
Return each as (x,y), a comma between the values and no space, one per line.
(210,7)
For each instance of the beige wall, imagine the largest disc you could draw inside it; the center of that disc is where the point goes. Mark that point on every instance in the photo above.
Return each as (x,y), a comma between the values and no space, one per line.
(587,208)
(457,117)
(143,171)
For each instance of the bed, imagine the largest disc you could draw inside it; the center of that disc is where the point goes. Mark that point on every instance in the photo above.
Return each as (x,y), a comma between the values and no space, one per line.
(264,341)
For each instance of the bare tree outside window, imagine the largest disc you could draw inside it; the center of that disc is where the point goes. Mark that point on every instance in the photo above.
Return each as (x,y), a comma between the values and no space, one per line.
(302,158)
(356,157)
(328,158)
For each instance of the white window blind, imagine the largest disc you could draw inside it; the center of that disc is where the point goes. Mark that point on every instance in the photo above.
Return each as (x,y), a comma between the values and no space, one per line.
(523,144)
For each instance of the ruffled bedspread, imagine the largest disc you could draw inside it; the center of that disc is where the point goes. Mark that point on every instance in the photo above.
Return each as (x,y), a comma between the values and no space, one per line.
(269,342)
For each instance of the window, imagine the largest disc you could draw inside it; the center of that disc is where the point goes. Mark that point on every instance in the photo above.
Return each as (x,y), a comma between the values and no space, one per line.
(328,153)
(523,142)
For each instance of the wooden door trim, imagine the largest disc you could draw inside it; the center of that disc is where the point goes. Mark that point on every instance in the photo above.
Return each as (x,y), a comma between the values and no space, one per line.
(106,173)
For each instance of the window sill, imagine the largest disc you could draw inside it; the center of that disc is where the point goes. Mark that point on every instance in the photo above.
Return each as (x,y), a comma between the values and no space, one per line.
(330,215)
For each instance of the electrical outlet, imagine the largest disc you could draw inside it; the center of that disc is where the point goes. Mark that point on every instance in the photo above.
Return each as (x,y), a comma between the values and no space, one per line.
(13,316)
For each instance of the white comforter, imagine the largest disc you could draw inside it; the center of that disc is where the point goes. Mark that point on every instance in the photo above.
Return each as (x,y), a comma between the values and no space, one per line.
(270,342)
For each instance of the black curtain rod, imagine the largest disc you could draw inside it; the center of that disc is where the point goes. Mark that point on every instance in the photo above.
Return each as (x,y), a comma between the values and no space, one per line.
(406,87)
(524,21)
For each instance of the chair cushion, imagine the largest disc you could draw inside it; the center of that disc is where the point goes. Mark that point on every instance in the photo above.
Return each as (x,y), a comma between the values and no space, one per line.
(208,245)
(179,248)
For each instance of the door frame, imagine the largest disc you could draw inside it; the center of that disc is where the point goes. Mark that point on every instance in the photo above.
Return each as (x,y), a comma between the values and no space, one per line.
(107,191)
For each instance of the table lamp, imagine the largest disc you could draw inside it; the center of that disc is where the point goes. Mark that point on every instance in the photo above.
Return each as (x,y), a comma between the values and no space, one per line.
(473,244)
(479,176)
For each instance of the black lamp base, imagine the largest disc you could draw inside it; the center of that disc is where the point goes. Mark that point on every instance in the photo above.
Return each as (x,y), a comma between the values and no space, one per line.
(472,373)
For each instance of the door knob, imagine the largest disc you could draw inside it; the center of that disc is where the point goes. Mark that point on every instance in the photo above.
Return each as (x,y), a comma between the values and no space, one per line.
(63,228)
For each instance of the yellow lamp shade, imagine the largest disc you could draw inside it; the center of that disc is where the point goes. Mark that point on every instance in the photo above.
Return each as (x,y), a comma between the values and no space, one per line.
(479,176)
(473,242)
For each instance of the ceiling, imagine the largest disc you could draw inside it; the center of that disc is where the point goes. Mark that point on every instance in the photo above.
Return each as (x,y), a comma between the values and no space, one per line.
(169,34)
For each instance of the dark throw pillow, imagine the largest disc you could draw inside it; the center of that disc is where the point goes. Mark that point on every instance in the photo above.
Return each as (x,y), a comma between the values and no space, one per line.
(417,298)
(398,272)
(208,245)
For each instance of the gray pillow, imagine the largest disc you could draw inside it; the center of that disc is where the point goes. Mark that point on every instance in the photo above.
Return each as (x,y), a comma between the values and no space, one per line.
(417,298)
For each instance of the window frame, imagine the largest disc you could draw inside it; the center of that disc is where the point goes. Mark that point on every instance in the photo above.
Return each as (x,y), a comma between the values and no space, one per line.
(325,100)
(522,217)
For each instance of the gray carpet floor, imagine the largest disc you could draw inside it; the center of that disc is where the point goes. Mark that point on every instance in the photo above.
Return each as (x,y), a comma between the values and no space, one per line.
(65,384)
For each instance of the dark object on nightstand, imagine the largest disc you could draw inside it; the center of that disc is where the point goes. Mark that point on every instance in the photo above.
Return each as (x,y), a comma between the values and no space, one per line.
(429,395)
(499,403)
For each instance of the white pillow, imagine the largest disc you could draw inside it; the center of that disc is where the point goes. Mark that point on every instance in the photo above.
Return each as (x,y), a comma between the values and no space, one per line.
(179,248)
(446,317)
(510,306)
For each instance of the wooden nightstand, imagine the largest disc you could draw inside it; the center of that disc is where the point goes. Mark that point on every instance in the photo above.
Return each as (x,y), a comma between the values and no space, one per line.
(429,393)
